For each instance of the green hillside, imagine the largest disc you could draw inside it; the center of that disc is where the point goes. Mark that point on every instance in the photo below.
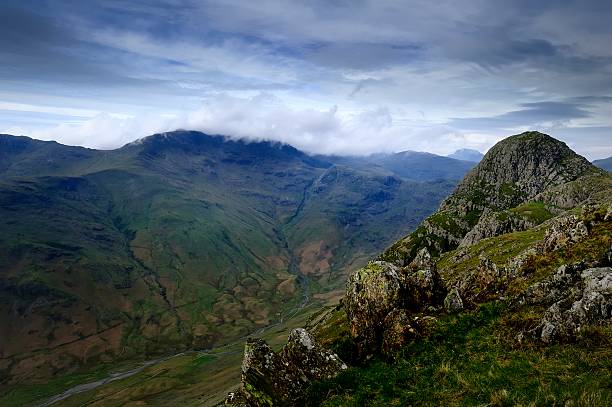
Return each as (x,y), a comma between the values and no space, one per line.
(178,241)
(502,297)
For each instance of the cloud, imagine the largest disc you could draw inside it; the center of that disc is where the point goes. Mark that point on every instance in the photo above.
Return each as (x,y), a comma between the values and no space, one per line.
(264,116)
(536,114)
(403,74)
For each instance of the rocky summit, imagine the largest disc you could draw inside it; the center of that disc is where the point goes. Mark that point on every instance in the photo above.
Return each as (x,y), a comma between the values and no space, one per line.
(491,300)
(522,181)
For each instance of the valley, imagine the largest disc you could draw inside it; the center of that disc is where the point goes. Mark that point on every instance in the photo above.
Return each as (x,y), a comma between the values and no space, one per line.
(183,241)
(503,296)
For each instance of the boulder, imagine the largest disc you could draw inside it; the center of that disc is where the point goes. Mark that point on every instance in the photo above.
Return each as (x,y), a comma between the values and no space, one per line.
(589,303)
(281,379)
(399,329)
(313,361)
(453,302)
(380,289)
(483,283)
(371,294)
(576,296)
(423,287)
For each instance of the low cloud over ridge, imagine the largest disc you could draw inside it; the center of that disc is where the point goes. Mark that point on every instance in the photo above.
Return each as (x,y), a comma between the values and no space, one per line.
(102,73)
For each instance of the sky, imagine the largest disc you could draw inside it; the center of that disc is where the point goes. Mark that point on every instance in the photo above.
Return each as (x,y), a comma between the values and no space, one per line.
(333,76)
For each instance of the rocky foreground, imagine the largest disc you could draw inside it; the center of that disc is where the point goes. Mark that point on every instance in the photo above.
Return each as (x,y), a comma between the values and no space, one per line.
(529,229)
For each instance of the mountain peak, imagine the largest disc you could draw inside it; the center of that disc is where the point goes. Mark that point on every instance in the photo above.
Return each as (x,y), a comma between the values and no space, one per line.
(519,169)
(466,154)
(522,166)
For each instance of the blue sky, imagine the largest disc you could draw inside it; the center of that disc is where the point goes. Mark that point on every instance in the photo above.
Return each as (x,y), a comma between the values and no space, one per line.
(326,76)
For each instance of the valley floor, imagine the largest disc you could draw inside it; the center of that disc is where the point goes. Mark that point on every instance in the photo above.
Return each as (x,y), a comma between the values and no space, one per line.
(194,378)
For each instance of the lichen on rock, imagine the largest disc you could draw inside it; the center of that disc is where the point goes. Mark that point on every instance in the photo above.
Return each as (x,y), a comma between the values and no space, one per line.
(576,297)
(453,302)
(381,299)
(281,378)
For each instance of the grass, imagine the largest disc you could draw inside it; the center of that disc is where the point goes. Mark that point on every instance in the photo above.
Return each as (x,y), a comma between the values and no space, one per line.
(498,249)
(472,359)
(27,394)
(535,212)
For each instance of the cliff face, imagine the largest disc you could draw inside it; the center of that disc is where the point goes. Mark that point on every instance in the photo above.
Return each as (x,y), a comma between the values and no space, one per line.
(522,171)
(516,170)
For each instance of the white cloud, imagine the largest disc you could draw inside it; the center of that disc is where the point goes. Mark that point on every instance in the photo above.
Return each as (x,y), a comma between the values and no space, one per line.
(327,131)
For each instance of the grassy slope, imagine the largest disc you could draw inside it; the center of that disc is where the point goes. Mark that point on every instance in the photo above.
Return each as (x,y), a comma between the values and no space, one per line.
(191,379)
(146,251)
(474,358)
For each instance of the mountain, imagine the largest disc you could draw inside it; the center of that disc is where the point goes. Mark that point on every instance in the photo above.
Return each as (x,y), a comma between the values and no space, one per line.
(527,169)
(605,163)
(179,240)
(495,299)
(467,154)
(410,165)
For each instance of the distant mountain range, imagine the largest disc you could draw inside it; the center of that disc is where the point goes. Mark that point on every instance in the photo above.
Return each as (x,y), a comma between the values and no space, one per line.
(185,240)
(467,154)
(411,165)
(605,163)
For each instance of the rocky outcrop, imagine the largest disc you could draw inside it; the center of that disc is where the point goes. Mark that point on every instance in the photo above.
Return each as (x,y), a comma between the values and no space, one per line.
(517,169)
(493,224)
(382,301)
(564,231)
(280,379)
(485,282)
(399,327)
(372,293)
(521,168)
(453,301)
(576,297)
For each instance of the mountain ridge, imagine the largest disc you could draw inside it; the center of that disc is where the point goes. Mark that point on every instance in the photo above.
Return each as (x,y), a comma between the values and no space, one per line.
(604,163)
(497,184)
(535,273)
(467,154)
(176,242)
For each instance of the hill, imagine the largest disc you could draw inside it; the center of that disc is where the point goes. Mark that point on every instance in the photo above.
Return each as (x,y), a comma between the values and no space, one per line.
(501,297)
(605,163)
(178,241)
(467,154)
(411,165)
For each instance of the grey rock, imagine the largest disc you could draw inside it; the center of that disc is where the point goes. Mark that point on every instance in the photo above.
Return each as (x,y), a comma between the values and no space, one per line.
(371,294)
(565,230)
(577,298)
(380,289)
(280,379)
(453,302)
(494,224)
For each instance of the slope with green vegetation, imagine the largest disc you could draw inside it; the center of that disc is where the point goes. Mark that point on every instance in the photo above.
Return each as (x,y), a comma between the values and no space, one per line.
(518,316)
(177,241)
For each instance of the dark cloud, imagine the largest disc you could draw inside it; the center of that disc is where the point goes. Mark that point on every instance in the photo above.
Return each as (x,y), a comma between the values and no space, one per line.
(362,56)
(425,62)
(45,49)
(531,114)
